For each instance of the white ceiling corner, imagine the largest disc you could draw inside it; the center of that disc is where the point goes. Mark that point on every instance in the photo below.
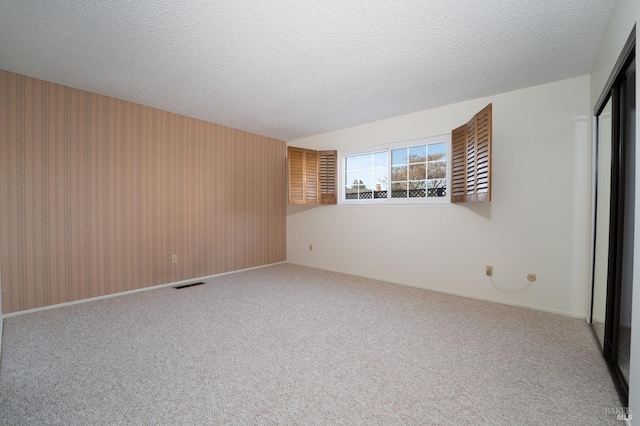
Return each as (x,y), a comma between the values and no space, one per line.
(289,69)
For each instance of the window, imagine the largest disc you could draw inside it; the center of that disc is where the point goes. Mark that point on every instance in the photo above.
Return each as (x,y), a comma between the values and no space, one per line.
(414,171)
(366,175)
(454,167)
(419,171)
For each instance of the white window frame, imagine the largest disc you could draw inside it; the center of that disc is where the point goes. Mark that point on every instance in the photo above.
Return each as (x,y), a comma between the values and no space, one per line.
(342,155)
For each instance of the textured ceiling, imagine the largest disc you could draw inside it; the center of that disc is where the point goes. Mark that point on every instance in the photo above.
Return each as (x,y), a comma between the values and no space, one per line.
(291,68)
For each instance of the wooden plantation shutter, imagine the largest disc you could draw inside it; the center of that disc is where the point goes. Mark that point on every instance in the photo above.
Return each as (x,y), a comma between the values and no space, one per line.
(471,159)
(328,173)
(483,138)
(458,164)
(295,159)
(312,176)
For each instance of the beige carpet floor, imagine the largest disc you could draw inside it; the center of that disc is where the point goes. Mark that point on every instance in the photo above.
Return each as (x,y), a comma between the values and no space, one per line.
(293,345)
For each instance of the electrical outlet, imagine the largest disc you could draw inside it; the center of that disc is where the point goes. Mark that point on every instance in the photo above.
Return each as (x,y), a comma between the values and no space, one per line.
(174,258)
(310,247)
(532,277)
(489,270)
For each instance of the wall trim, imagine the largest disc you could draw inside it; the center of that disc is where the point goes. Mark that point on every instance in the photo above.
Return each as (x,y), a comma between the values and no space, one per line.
(454,293)
(124,293)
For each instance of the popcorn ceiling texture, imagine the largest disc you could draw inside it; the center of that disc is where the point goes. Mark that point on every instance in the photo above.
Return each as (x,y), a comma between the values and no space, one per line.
(289,69)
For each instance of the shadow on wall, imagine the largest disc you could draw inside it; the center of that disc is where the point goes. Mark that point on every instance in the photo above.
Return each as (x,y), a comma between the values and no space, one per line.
(296,209)
(481,209)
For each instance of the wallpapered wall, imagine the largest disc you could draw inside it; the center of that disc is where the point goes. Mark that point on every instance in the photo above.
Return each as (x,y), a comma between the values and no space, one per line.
(97,194)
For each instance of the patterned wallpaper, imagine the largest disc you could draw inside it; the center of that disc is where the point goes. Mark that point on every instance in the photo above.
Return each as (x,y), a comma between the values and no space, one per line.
(97,194)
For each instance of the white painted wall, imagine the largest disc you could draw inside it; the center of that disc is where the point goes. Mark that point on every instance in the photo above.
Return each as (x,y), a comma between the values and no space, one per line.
(620,24)
(538,221)
(624,16)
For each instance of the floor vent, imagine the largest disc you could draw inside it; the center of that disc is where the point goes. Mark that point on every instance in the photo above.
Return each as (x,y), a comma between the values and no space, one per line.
(187,285)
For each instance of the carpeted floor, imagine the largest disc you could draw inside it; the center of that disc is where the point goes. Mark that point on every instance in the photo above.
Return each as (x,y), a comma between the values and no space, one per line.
(294,345)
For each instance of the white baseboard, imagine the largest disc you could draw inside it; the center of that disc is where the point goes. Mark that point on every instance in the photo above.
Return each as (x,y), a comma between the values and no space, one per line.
(124,293)
(456,293)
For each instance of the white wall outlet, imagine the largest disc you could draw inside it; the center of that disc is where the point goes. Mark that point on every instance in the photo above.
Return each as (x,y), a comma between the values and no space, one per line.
(310,247)
(532,277)
(489,270)
(174,258)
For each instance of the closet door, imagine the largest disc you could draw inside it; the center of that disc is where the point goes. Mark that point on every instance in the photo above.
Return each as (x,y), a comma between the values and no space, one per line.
(621,349)
(612,278)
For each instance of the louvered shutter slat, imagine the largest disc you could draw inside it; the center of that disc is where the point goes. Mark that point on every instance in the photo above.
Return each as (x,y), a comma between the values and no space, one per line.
(458,162)
(312,176)
(471,159)
(328,174)
(296,175)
